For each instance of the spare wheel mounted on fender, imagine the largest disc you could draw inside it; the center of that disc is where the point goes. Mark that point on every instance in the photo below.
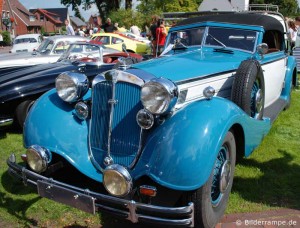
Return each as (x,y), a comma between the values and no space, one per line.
(248,89)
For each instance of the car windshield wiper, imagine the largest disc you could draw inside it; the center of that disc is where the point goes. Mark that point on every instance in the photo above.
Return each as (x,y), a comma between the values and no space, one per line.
(218,41)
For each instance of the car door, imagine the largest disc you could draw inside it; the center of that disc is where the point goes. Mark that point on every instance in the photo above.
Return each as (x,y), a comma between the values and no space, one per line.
(274,66)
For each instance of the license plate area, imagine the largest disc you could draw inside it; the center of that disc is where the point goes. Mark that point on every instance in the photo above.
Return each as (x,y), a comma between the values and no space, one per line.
(66,196)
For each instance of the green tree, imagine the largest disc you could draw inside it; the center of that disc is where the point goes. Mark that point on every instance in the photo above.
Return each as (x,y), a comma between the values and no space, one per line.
(127,17)
(78,14)
(104,6)
(286,7)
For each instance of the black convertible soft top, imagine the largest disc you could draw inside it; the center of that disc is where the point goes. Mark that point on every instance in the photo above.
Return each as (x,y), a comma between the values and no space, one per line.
(268,22)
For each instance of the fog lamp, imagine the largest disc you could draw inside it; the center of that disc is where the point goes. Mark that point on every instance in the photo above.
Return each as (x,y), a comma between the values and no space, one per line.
(82,110)
(117,180)
(38,158)
(145,119)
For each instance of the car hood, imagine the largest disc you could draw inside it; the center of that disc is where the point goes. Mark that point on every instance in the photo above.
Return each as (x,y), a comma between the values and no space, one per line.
(24,80)
(197,63)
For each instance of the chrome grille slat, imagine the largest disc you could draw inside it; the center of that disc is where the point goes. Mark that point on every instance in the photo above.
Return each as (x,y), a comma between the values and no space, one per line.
(125,137)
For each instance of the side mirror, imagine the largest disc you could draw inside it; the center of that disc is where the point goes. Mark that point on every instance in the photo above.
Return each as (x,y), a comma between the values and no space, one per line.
(262,48)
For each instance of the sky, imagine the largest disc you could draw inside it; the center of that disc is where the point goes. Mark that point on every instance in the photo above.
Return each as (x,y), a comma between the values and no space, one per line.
(34,4)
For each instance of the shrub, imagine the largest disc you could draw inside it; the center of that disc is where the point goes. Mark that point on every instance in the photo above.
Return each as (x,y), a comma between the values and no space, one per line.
(6,38)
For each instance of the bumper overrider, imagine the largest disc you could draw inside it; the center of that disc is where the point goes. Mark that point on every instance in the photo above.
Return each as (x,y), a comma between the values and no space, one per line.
(93,202)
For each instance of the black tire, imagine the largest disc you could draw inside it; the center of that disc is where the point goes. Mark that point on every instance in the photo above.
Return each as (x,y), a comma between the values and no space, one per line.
(248,89)
(209,202)
(22,111)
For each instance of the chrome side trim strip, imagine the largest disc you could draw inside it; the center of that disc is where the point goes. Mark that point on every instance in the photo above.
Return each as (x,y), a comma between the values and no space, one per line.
(6,122)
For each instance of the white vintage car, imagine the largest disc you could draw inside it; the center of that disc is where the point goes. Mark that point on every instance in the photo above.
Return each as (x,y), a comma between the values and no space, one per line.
(48,52)
(26,43)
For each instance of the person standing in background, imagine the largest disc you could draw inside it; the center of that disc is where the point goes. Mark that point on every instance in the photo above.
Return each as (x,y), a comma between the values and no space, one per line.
(69,28)
(152,33)
(135,30)
(292,33)
(108,26)
(161,34)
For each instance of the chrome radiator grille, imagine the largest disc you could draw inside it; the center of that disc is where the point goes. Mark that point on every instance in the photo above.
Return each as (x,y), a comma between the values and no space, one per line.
(125,136)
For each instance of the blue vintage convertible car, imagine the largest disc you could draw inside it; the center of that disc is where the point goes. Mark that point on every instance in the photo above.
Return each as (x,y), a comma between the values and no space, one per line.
(157,142)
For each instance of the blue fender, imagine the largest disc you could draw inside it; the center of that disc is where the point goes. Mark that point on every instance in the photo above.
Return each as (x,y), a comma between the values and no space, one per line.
(291,66)
(51,123)
(181,153)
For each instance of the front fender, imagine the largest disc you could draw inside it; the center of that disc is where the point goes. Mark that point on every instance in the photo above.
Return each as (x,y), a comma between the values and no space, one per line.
(51,123)
(181,153)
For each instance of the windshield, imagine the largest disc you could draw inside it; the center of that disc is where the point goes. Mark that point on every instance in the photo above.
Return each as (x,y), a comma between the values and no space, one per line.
(187,37)
(46,46)
(25,40)
(78,51)
(231,38)
(214,36)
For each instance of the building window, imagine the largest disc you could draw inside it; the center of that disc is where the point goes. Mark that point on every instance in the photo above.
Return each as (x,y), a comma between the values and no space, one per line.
(41,17)
(32,18)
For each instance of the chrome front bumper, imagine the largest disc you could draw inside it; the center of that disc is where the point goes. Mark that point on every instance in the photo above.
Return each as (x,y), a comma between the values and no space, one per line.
(6,122)
(93,202)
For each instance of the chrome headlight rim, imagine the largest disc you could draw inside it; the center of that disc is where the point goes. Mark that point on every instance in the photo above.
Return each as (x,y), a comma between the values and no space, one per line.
(146,115)
(121,172)
(38,158)
(71,86)
(82,110)
(159,96)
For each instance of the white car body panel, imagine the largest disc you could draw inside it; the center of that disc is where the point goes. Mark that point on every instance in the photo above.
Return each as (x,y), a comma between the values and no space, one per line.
(35,58)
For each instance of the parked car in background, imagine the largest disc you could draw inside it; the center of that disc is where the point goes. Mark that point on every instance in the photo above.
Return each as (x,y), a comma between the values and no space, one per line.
(19,88)
(136,37)
(26,43)
(157,141)
(115,40)
(49,51)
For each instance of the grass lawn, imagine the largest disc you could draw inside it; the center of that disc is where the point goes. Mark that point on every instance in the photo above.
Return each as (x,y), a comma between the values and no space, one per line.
(268,179)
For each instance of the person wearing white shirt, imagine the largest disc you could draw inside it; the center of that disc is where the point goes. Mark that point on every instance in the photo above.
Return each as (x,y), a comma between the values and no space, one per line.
(69,28)
(135,30)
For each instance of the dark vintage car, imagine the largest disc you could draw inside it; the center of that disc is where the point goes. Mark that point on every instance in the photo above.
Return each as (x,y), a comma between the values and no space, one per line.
(20,87)
(157,142)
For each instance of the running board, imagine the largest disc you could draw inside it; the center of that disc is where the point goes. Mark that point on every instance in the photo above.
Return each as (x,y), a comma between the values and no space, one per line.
(273,110)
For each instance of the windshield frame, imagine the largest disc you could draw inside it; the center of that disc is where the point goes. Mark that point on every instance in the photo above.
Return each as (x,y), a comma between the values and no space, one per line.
(66,56)
(209,25)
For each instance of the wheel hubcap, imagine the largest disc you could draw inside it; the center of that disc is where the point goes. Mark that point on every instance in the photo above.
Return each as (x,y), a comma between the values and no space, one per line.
(225,176)
(221,176)
(258,100)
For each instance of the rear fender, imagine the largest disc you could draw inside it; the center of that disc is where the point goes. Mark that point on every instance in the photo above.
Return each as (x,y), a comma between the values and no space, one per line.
(180,154)
(290,77)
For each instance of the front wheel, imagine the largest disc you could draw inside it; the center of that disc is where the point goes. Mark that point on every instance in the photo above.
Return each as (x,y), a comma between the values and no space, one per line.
(211,199)
(22,111)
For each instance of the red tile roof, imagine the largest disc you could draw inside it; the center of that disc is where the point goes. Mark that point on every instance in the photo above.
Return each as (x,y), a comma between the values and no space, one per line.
(51,16)
(19,11)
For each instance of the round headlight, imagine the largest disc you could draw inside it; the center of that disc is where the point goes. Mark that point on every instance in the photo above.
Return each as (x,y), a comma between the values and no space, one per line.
(71,86)
(117,180)
(159,95)
(38,158)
